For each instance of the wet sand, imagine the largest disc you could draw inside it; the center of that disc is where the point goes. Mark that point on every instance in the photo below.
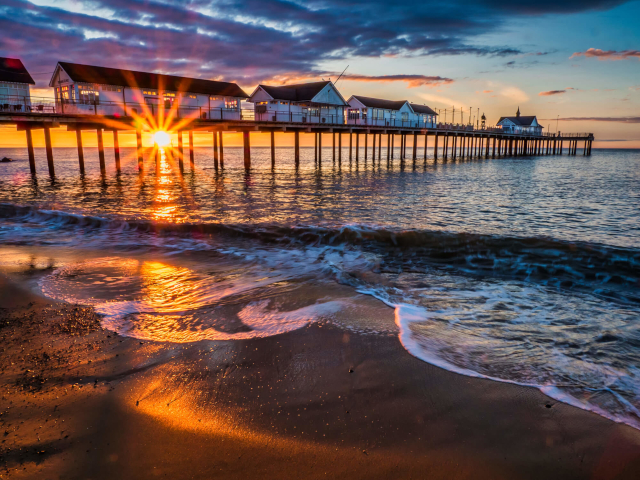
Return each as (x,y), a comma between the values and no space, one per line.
(79,402)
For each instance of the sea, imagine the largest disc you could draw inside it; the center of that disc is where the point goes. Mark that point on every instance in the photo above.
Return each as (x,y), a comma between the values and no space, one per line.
(516,269)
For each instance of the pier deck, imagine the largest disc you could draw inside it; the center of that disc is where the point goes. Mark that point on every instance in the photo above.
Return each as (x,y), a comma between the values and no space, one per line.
(449,141)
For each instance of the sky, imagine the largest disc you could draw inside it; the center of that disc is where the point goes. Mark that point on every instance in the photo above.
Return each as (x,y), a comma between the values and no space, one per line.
(574,64)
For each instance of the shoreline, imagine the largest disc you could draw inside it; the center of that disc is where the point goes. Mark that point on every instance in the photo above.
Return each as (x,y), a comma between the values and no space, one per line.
(83,402)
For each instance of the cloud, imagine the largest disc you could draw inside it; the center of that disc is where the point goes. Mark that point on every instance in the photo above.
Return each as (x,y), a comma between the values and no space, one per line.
(412,81)
(608,54)
(249,41)
(600,119)
(552,92)
(487,91)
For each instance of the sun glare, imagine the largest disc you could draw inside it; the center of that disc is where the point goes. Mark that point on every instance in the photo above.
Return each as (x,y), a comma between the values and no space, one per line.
(162,139)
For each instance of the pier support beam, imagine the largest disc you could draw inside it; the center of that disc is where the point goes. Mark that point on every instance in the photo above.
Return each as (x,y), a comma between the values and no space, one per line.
(30,152)
(221,148)
(339,148)
(49,149)
(315,147)
(357,147)
(215,150)
(103,169)
(247,150)
(180,152)
(350,146)
(435,147)
(273,150)
(415,146)
(379,147)
(116,150)
(319,148)
(80,151)
(426,143)
(393,145)
(139,149)
(296,148)
(333,146)
(366,145)
(192,162)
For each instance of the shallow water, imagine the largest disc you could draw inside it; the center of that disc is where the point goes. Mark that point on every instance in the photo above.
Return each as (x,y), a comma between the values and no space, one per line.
(524,270)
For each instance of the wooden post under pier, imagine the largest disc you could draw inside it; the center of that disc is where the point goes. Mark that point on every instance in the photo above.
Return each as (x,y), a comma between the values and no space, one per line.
(435,147)
(366,145)
(101,152)
(221,148)
(30,151)
(139,149)
(180,152)
(296,148)
(116,150)
(247,150)
(49,150)
(80,150)
(191,158)
(215,150)
(273,150)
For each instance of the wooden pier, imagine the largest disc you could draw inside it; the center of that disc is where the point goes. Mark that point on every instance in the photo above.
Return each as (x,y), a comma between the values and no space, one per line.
(447,141)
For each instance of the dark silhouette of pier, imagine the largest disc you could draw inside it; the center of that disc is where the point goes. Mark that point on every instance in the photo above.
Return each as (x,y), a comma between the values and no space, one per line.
(447,141)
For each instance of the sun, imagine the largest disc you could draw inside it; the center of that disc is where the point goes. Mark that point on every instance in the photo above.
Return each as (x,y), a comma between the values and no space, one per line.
(161,138)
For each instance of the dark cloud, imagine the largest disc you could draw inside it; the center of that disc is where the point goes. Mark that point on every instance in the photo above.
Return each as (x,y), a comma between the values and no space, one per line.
(552,92)
(602,119)
(411,80)
(254,40)
(608,54)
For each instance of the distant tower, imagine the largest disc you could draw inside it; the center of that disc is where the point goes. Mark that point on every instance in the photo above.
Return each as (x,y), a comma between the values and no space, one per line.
(484,120)
(518,112)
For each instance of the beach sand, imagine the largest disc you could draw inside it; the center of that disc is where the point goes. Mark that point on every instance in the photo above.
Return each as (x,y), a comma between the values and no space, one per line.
(79,402)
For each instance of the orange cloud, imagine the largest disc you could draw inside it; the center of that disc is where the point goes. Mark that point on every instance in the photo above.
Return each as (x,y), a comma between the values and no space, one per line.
(608,54)
(551,92)
(412,81)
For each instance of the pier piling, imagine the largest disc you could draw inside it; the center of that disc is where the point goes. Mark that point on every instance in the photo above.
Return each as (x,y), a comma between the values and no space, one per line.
(180,152)
(215,150)
(103,168)
(273,150)
(139,149)
(296,148)
(191,159)
(30,152)
(80,150)
(116,150)
(221,148)
(49,150)
(247,150)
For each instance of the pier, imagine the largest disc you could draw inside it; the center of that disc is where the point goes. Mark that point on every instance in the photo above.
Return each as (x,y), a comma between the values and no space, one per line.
(448,141)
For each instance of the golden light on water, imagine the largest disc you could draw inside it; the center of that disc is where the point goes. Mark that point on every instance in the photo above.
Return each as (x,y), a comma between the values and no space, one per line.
(161,138)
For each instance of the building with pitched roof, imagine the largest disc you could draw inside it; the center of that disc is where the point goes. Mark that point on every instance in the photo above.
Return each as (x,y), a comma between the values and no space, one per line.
(15,94)
(315,102)
(520,124)
(383,113)
(113,91)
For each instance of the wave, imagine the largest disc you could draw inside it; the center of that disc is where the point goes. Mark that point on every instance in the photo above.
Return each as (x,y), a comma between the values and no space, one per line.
(603,270)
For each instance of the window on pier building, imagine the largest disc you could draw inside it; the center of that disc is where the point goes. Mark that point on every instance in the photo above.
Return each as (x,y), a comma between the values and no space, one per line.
(231,104)
(405,116)
(88,95)
(354,114)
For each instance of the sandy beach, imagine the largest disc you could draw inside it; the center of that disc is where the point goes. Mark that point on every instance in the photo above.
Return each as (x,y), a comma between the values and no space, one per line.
(79,402)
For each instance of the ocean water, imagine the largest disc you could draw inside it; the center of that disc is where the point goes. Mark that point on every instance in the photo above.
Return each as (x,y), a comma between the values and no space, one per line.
(522,270)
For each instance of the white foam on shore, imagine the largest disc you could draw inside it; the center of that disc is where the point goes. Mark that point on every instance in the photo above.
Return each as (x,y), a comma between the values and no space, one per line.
(406,315)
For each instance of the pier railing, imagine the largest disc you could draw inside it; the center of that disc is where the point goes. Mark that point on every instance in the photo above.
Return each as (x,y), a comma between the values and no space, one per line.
(13,104)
